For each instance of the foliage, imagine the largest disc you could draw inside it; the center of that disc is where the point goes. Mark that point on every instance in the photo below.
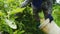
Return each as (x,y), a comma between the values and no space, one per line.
(22,17)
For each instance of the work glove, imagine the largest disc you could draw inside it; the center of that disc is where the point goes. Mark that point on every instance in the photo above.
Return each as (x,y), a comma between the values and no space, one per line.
(24,4)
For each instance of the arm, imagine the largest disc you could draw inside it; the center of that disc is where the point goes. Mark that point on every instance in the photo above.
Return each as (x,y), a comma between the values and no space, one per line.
(26,2)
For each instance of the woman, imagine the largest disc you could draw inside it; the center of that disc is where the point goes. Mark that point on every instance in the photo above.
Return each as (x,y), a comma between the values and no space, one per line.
(37,5)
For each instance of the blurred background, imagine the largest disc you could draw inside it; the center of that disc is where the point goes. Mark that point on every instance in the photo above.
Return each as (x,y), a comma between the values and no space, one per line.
(16,20)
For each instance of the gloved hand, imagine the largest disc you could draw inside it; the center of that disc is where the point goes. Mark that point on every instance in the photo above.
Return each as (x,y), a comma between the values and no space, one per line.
(24,4)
